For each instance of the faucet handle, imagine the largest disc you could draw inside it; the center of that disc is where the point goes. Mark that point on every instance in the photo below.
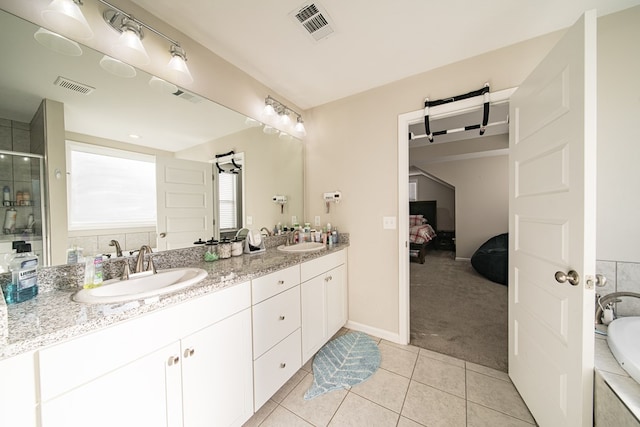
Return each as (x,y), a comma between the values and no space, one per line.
(151,266)
(127,271)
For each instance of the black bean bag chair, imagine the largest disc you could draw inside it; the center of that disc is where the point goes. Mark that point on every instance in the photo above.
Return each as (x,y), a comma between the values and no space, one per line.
(492,259)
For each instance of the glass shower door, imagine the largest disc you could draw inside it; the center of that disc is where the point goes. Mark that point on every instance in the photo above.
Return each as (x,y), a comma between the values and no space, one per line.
(22,206)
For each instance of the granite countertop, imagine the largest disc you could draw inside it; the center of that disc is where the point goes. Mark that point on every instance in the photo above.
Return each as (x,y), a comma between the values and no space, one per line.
(625,387)
(52,316)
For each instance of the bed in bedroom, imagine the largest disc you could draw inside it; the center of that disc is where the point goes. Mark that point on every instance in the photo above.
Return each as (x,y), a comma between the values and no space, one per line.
(422,226)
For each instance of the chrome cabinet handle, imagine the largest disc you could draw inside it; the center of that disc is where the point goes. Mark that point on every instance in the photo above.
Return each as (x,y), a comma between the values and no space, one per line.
(189,352)
(283,365)
(281,317)
(280,282)
(173,360)
(572,277)
(162,235)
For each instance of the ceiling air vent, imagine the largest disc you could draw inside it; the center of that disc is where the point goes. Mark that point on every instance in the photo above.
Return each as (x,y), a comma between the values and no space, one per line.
(187,96)
(314,19)
(74,86)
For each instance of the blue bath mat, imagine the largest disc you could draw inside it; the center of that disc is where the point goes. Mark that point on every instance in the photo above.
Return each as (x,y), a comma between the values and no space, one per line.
(343,362)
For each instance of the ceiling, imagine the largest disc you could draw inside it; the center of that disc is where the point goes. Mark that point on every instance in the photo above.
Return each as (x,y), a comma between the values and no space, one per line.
(373,42)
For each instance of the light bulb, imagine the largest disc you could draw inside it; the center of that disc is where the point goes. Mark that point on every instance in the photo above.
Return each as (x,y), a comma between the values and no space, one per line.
(57,43)
(65,16)
(178,69)
(129,46)
(285,119)
(268,111)
(299,128)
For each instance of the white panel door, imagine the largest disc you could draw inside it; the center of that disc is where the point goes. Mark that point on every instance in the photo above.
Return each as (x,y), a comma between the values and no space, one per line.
(185,202)
(552,228)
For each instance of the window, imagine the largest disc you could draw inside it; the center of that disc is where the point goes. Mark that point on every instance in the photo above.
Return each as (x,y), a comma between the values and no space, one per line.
(230,167)
(229,201)
(109,188)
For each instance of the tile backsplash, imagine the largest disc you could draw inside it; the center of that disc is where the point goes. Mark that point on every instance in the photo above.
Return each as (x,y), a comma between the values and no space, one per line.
(621,277)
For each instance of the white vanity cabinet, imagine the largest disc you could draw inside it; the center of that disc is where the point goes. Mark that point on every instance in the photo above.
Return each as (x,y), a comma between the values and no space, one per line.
(18,391)
(187,365)
(324,300)
(276,331)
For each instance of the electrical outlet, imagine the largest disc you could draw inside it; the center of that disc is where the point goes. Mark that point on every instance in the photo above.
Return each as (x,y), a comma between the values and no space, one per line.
(294,219)
(389,222)
(249,220)
(316,221)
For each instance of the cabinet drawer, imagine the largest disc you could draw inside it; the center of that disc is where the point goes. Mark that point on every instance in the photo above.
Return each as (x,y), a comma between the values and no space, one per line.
(275,368)
(267,286)
(274,319)
(318,266)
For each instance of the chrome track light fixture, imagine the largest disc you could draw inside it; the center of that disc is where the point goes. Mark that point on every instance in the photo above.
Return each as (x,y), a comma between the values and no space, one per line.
(273,107)
(66,17)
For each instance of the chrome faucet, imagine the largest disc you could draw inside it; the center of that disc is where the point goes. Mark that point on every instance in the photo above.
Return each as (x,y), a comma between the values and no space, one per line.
(291,237)
(145,249)
(117,245)
(266,230)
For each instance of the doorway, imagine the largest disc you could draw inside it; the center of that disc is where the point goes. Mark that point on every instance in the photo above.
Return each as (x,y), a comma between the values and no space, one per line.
(454,310)
(404,123)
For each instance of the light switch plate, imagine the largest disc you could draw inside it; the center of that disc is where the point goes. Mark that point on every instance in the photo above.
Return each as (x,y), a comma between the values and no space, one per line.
(389,222)
(294,219)
(249,220)
(316,221)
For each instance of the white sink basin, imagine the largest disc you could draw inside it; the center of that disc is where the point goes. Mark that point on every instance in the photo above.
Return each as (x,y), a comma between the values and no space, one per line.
(302,247)
(622,337)
(140,286)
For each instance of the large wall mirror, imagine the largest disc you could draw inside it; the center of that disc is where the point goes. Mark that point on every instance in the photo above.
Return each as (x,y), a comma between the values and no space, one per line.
(167,121)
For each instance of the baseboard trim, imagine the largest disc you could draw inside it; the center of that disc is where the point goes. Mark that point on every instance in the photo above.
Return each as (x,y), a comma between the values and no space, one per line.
(380,333)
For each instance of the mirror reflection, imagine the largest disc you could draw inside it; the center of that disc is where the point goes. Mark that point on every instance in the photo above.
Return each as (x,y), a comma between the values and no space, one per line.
(51,101)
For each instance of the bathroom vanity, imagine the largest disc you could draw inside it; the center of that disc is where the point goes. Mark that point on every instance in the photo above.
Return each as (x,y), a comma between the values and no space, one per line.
(212,354)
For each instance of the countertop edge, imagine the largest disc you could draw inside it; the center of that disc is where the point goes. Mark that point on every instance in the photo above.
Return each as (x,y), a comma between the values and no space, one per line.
(100,316)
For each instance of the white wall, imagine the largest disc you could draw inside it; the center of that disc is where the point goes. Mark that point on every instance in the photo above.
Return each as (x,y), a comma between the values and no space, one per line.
(482,199)
(272,167)
(352,146)
(444,195)
(619,137)
(363,129)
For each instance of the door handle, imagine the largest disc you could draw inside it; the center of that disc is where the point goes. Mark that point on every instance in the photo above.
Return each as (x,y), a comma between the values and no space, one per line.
(572,277)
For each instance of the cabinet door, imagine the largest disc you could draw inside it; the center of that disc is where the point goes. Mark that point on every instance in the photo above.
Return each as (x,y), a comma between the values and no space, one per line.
(336,293)
(314,312)
(217,374)
(18,391)
(141,393)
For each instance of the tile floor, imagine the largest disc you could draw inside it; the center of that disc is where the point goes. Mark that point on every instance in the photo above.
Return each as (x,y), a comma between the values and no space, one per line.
(413,387)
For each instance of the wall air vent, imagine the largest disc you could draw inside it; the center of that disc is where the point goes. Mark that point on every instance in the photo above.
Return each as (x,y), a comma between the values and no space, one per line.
(314,19)
(74,86)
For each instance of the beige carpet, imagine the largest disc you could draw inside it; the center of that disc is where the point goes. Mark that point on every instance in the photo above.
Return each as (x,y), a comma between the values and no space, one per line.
(456,311)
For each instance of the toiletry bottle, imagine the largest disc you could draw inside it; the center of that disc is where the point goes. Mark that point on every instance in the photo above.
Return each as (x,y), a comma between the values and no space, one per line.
(10,221)
(89,271)
(97,271)
(6,196)
(24,276)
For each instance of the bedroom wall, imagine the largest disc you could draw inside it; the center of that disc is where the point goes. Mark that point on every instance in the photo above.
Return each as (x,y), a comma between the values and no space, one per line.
(428,189)
(357,137)
(482,198)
